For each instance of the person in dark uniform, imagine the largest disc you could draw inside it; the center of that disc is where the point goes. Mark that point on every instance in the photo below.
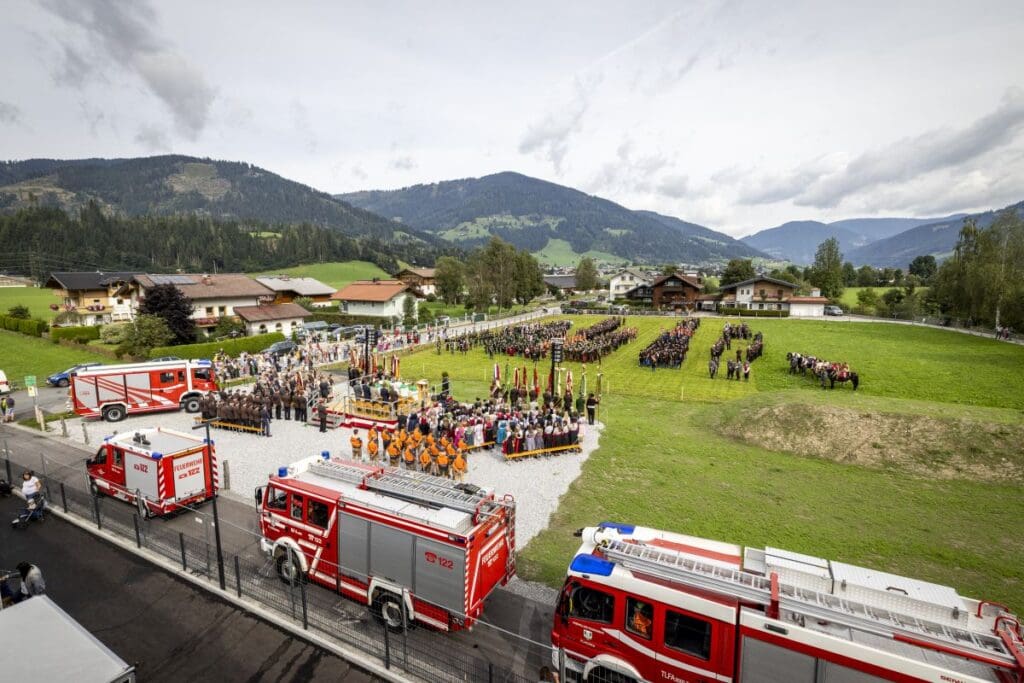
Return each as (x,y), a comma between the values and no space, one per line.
(592,402)
(321,413)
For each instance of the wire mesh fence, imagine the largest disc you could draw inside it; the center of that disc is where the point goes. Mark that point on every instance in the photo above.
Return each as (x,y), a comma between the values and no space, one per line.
(412,650)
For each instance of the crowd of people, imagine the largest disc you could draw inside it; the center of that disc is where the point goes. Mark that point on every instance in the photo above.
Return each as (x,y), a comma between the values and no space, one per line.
(275,395)
(739,368)
(669,349)
(598,340)
(530,340)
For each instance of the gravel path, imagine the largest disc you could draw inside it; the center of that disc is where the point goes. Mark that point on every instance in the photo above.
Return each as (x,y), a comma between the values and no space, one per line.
(536,483)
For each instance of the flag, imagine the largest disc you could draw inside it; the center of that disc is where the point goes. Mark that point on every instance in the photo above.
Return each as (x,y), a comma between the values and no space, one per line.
(568,381)
(373,360)
(526,378)
(551,381)
(506,374)
(515,381)
(536,379)
(398,367)
(583,384)
(497,373)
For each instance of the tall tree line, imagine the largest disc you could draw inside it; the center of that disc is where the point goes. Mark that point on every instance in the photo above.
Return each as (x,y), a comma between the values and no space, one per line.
(496,273)
(39,239)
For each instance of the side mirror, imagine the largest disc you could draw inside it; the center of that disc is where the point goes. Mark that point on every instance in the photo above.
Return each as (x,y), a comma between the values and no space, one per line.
(259,496)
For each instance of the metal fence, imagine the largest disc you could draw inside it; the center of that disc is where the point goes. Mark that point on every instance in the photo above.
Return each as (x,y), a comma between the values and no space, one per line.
(414,652)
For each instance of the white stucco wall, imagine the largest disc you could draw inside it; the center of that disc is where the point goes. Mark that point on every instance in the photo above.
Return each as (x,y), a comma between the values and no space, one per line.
(388,309)
(806,310)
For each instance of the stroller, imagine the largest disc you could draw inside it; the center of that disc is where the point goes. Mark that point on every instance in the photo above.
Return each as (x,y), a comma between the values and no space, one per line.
(34,510)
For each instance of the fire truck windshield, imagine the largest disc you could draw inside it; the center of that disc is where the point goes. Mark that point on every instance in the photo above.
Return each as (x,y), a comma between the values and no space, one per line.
(592,604)
(277,499)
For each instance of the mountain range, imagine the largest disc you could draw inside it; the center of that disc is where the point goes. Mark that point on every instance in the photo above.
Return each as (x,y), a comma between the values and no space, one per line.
(415,224)
(553,221)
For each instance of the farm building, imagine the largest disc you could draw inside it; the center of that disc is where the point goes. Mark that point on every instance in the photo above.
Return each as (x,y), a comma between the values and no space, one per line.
(675,291)
(626,280)
(420,280)
(283,318)
(287,289)
(213,296)
(96,297)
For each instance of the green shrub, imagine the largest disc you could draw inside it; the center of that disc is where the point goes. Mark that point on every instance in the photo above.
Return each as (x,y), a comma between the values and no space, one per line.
(753,313)
(81,335)
(232,347)
(32,327)
(114,333)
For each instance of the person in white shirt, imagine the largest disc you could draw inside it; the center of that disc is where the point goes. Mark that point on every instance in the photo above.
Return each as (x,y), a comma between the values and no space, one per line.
(30,484)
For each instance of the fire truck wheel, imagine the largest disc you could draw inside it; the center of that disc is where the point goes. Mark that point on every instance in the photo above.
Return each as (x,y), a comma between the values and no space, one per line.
(288,570)
(388,609)
(191,405)
(113,413)
(603,675)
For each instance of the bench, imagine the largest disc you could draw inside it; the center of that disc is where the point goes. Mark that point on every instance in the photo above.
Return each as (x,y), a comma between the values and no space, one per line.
(232,425)
(577,448)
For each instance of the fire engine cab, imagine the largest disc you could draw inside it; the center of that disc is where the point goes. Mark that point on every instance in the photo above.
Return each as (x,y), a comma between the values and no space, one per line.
(640,604)
(411,546)
(114,391)
(159,470)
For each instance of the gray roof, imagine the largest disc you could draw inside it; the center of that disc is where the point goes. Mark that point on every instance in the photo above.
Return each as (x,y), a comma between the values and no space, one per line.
(83,280)
(560,281)
(763,278)
(303,286)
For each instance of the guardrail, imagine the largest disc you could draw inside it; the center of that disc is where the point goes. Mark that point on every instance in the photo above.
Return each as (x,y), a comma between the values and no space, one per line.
(412,653)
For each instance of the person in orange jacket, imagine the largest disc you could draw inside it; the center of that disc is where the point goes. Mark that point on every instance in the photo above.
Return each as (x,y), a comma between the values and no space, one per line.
(393,453)
(425,460)
(372,449)
(410,458)
(442,463)
(357,445)
(459,467)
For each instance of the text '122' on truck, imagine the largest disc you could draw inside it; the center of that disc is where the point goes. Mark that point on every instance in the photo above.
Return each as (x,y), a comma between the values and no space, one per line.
(412,546)
(640,604)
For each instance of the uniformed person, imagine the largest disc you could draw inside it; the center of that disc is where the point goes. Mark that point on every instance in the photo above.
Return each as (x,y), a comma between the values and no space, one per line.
(357,445)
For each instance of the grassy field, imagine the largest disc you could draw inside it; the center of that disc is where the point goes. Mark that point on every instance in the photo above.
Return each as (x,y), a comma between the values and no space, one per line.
(336,274)
(21,355)
(672,456)
(849,298)
(38,300)
(560,253)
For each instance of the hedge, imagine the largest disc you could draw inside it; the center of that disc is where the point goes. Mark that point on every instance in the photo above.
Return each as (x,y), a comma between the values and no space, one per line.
(33,327)
(753,313)
(346,319)
(232,347)
(79,334)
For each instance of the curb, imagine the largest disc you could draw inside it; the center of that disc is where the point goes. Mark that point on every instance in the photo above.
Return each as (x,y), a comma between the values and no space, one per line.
(352,656)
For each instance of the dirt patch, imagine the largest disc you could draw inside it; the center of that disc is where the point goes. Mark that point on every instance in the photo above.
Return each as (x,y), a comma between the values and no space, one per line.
(201,178)
(938,448)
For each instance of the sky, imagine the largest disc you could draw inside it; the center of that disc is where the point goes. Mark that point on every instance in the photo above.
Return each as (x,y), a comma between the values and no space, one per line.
(732,114)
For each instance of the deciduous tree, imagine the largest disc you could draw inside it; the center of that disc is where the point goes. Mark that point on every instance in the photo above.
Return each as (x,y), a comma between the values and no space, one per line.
(827,271)
(450,276)
(586,275)
(737,270)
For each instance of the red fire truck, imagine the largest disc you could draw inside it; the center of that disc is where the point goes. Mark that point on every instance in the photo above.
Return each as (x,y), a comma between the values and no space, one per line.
(645,605)
(411,546)
(159,470)
(113,391)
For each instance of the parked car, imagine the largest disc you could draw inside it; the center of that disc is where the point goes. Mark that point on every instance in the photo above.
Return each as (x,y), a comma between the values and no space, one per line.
(280,348)
(63,379)
(442,320)
(5,386)
(833,310)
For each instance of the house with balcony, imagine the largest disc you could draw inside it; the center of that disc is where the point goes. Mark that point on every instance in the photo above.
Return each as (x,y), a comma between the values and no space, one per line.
(212,296)
(675,291)
(625,280)
(379,298)
(422,281)
(770,294)
(287,289)
(94,297)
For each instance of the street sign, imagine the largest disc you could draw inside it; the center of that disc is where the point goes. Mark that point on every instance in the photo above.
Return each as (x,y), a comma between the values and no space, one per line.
(30,380)
(556,350)
(32,391)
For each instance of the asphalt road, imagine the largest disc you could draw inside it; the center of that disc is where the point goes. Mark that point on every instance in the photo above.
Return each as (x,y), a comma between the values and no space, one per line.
(171,630)
(509,614)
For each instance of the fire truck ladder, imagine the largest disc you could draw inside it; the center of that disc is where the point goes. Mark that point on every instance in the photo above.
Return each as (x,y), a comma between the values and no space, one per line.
(673,566)
(417,487)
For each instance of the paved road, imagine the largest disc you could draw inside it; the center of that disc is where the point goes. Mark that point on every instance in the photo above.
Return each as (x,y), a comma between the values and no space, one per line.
(506,612)
(172,630)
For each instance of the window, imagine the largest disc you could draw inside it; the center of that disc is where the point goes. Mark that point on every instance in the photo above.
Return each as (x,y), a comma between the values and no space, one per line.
(778,293)
(316,513)
(201,373)
(760,307)
(222,310)
(101,457)
(296,508)
(181,375)
(276,499)
(263,328)
(118,457)
(639,617)
(209,311)
(762,293)
(687,634)
(278,327)
(166,377)
(120,301)
(593,605)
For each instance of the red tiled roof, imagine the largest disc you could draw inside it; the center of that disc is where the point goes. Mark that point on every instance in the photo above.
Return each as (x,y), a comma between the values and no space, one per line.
(425,273)
(253,314)
(198,287)
(688,280)
(369,290)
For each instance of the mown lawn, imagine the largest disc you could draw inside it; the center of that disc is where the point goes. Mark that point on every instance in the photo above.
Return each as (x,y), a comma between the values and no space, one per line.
(38,300)
(665,462)
(336,273)
(22,355)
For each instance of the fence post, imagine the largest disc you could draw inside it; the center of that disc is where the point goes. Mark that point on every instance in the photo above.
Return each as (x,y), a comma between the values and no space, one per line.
(490,672)
(238,577)
(96,508)
(405,633)
(181,542)
(46,479)
(561,664)
(138,536)
(85,433)
(7,460)
(305,613)
(225,478)
(63,427)
(63,497)
(387,646)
